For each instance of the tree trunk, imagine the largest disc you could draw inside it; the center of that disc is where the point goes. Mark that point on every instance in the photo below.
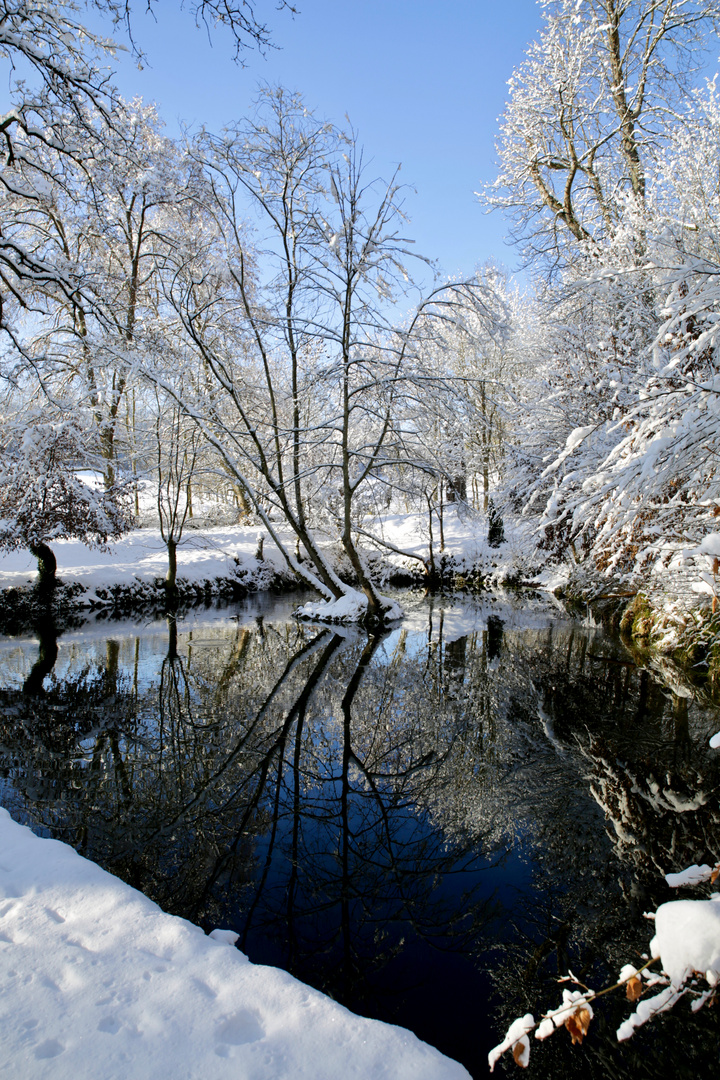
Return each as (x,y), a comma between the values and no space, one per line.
(47,565)
(241,502)
(485,442)
(171,576)
(430,566)
(107,449)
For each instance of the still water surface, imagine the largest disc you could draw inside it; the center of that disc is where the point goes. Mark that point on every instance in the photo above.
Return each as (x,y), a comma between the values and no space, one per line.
(428,826)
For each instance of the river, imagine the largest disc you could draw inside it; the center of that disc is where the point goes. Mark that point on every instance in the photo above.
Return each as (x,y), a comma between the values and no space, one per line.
(430,825)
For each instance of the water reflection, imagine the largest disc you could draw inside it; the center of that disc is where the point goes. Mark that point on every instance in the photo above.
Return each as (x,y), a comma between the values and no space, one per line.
(410,822)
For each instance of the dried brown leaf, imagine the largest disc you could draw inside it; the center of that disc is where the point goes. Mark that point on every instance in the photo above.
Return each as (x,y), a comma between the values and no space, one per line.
(634,988)
(518,1055)
(715,874)
(578,1025)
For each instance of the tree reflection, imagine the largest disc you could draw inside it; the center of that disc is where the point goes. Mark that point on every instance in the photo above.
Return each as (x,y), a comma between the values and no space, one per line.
(359,808)
(47,632)
(609,728)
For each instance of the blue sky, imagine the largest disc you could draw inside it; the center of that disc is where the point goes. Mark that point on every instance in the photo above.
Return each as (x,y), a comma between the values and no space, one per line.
(422,82)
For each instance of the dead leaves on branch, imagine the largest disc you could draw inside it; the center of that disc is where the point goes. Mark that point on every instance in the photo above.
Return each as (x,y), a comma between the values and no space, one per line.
(520,1054)
(578,1024)
(575,1013)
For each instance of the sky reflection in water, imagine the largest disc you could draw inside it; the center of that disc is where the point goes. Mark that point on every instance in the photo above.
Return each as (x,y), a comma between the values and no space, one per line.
(427,826)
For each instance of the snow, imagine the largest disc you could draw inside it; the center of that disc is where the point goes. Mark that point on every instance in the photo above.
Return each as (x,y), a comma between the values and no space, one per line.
(545,1028)
(687,938)
(574,439)
(349,608)
(572,1001)
(702,588)
(218,552)
(141,555)
(465,533)
(578,435)
(100,982)
(693,875)
(647,1009)
(715,741)
(209,552)
(517,1033)
(710,544)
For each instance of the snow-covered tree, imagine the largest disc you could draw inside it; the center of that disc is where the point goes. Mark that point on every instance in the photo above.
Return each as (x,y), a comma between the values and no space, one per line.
(607,159)
(177,450)
(45,496)
(588,111)
(64,104)
(311,324)
(115,217)
(633,390)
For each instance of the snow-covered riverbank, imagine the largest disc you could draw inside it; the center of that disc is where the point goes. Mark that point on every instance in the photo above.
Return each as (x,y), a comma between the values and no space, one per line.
(223,561)
(221,552)
(141,557)
(99,982)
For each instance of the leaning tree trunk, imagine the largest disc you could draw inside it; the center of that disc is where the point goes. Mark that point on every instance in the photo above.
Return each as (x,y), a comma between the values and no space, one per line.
(47,565)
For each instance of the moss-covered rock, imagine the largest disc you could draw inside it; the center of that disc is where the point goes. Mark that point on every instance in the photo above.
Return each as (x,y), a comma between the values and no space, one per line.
(638,620)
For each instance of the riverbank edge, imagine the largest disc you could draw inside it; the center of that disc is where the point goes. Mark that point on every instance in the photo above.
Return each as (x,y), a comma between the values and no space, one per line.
(688,640)
(683,641)
(71,600)
(106,976)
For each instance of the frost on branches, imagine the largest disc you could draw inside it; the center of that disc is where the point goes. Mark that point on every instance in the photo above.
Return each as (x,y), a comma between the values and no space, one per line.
(617,420)
(43,496)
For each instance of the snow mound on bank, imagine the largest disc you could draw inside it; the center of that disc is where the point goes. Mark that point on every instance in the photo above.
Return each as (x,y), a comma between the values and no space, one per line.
(687,939)
(693,875)
(350,608)
(100,982)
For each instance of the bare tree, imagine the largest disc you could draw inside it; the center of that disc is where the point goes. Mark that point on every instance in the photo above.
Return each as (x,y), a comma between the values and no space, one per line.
(302,367)
(178,445)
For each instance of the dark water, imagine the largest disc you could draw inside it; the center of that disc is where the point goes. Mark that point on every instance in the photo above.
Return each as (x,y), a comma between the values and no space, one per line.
(428,826)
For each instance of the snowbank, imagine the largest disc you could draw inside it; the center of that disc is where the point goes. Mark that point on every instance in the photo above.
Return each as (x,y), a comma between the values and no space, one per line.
(687,939)
(99,982)
(350,608)
(141,556)
(392,543)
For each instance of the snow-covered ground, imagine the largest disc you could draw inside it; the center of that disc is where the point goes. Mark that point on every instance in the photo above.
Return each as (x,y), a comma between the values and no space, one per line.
(100,984)
(142,556)
(207,553)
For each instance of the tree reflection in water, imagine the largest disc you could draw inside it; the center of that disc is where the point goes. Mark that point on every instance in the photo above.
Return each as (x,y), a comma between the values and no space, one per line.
(401,821)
